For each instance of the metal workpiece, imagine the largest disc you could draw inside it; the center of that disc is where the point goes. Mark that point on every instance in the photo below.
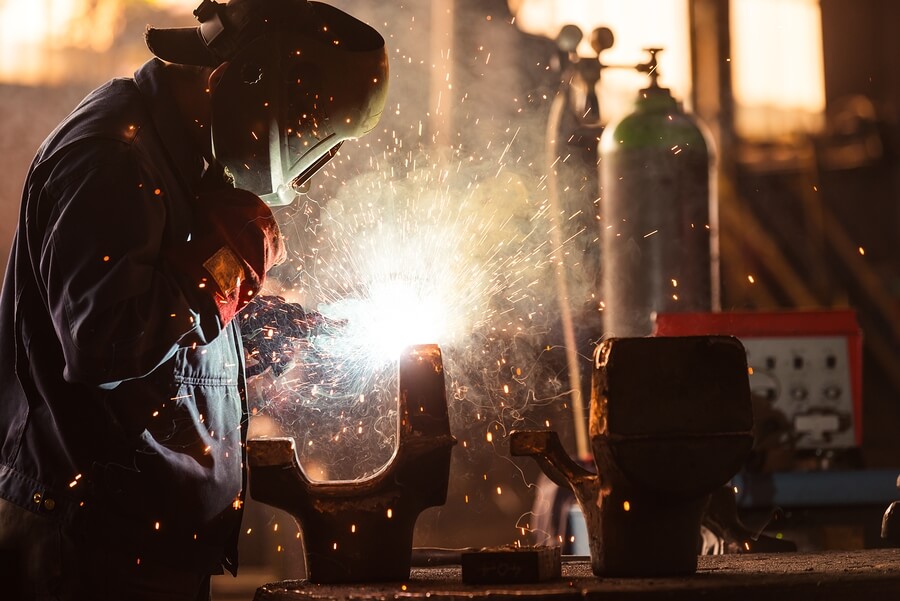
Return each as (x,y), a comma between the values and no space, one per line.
(362,530)
(546,449)
(670,422)
(890,523)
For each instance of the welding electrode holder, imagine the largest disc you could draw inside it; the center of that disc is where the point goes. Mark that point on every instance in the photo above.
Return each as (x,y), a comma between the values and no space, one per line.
(362,530)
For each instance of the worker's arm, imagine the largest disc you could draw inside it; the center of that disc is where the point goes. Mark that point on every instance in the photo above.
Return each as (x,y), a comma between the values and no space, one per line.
(120,274)
(273,329)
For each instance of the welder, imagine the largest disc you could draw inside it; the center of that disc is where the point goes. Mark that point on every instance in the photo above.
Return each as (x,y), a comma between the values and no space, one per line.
(145,230)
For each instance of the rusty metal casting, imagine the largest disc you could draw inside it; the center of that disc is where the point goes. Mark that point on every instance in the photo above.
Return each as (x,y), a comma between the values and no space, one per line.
(362,530)
(670,422)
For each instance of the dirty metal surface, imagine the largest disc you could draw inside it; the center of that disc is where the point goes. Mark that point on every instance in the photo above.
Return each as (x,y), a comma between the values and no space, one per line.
(830,576)
(670,422)
(362,530)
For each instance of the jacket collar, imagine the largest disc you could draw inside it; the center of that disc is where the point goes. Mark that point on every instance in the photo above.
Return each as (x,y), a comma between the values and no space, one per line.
(168,121)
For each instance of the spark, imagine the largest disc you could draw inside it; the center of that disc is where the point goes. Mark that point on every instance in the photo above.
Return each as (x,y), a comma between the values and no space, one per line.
(449,247)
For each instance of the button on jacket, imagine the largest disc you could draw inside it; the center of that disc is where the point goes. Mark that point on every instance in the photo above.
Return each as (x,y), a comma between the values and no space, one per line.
(122,397)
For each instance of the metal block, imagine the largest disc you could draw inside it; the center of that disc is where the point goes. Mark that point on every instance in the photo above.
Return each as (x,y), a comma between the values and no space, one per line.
(670,422)
(511,565)
(361,530)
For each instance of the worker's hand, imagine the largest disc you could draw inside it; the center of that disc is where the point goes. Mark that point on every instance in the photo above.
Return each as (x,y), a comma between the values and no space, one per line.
(273,329)
(234,243)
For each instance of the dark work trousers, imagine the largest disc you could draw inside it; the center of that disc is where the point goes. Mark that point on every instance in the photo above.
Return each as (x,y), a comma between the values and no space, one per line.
(41,561)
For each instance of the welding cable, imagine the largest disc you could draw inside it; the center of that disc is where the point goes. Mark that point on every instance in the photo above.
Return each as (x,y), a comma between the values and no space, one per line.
(551,144)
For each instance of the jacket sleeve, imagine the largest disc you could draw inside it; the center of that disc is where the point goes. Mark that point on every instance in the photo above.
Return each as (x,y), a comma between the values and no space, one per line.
(120,309)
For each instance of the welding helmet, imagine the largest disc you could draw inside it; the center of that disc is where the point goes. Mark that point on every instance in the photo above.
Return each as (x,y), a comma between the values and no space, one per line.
(302,77)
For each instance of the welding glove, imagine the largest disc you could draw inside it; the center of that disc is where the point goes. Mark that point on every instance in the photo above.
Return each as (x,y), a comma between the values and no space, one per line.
(272,328)
(234,243)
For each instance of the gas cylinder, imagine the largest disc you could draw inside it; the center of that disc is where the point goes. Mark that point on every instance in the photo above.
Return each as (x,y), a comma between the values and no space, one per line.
(658,216)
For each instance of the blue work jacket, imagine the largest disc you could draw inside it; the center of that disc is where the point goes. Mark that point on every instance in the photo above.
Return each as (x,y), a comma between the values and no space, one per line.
(122,396)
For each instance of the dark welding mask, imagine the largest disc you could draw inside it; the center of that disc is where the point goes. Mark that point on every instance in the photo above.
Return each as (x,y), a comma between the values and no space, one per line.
(302,77)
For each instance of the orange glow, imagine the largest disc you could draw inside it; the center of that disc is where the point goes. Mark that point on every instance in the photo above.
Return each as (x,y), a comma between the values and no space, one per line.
(777,67)
(636,25)
(31,32)
(50,42)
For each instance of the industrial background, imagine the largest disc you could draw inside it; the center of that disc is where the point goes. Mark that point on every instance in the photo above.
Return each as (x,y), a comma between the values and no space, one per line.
(800,104)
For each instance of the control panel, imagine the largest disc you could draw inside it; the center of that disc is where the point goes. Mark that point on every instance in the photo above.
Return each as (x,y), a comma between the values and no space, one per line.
(807,378)
(806,364)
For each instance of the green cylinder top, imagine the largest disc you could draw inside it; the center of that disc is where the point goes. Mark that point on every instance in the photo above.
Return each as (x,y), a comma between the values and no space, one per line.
(656,122)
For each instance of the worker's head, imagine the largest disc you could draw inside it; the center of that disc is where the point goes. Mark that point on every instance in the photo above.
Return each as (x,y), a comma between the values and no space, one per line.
(293,81)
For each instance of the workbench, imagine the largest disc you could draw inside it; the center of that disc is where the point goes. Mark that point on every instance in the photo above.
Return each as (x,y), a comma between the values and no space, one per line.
(869,575)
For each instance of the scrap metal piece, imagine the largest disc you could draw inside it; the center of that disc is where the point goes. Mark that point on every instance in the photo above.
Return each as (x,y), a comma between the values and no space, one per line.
(511,565)
(362,530)
(670,422)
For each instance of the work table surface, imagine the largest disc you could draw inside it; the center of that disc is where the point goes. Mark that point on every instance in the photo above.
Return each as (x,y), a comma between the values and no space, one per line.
(790,576)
